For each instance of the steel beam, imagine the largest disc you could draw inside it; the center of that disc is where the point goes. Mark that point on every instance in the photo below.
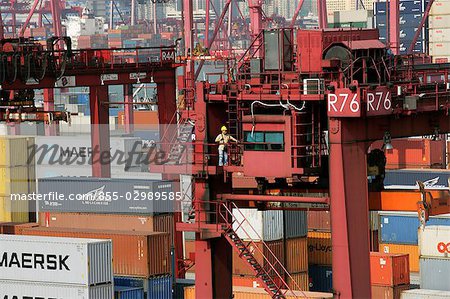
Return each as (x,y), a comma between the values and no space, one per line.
(49,105)
(274,198)
(129,108)
(296,13)
(349,214)
(394,26)
(101,160)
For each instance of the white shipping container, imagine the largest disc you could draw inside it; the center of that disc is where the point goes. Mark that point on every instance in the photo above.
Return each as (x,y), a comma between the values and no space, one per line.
(434,241)
(441,21)
(82,124)
(22,290)
(439,49)
(56,260)
(440,7)
(424,294)
(267,225)
(438,35)
(441,59)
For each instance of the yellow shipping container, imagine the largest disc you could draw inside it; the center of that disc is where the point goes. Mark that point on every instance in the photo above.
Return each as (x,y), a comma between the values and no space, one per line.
(14,150)
(297,255)
(259,293)
(319,248)
(301,279)
(13,210)
(412,250)
(15,180)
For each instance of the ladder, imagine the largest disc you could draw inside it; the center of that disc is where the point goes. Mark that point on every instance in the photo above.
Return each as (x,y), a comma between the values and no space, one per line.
(271,271)
(184,135)
(233,112)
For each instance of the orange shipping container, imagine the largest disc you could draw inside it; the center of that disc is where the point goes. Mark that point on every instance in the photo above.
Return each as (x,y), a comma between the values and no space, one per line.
(297,255)
(12,228)
(260,293)
(411,250)
(385,292)
(319,221)
(389,269)
(301,280)
(141,119)
(319,248)
(246,281)
(140,254)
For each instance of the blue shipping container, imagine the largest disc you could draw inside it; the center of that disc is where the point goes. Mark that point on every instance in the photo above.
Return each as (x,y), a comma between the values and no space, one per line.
(406,179)
(128,293)
(321,278)
(156,287)
(405,6)
(402,229)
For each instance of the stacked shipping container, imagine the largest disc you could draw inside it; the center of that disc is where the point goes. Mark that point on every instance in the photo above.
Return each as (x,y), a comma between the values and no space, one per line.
(17,177)
(439,21)
(55,267)
(411,13)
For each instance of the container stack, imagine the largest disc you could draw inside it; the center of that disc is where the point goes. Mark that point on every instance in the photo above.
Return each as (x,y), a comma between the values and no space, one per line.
(398,234)
(17,177)
(319,251)
(389,275)
(435,257)
(44,267)
(94,41)
(439,20)
(289,245)
(425,294)
(410,16)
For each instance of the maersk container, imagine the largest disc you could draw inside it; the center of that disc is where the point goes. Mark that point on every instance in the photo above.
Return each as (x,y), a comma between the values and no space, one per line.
(425,294)
(321,278)
(295,224)
(10,289)
(128,292)
(56,260)
(105,195)
(267,225)
(434,274)
(434,241)
(159,287)
(405,6)
(401,228)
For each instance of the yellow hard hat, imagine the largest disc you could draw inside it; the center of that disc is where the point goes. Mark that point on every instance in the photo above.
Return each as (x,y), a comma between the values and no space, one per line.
(223,128)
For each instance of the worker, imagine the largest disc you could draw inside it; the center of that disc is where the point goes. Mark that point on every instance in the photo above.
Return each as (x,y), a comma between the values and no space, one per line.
(223,138)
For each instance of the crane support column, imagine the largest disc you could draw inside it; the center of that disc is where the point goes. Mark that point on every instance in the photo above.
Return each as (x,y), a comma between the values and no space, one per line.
(101,160)
(167,107)
(128,109)
(349,212)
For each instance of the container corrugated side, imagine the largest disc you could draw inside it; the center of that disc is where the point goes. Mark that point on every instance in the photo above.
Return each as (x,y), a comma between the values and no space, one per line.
(298,281)
(434,241)
(267,225)
(140,254)
(26,289)
(297,255)
(319,248)
(425,294)
(128,292)
(179,287)
(14,151)
(411,250)
(438,35)
(440,7)
(438,21)
(388,292)
(64,260)
(272,225)
(14,180)
(388,269)
(434,274)
(319,221)
(158,287)
(321,278)
(260,293)
(439,48)
(295,224)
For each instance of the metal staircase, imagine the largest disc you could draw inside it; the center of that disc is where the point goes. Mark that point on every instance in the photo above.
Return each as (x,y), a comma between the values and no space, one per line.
(184,136)
(269,270)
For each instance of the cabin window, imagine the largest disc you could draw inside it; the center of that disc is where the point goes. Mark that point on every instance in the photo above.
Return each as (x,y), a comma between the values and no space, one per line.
(264,141)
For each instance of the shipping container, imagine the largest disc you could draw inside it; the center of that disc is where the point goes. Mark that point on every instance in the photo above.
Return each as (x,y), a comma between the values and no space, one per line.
(15,180)
(319,221)
(411,250)
(260,293)
(15,228)
(249,281)
(26,289)
(179,287)
(389,269)
(434,241)
(14,151)
(434,274)
(440,7)
(139,254)
(425,294)
(14,210)
(159,287)
(104,195)
(438,21)
(63,260)
(407,179)
(295,224)
(319,248)
(388,292)
(297,255)
(267,225)
(439,35)
(401,227)
(128,293)
(321,278)
(298,281)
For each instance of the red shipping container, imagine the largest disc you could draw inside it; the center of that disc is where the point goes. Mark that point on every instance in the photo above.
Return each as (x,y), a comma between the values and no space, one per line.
(319,221)
(385,292)
(389,269)
(414,153)
(138,254)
